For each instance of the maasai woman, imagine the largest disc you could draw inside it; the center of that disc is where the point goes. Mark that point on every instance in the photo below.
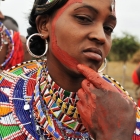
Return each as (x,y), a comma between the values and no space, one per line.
(66,97)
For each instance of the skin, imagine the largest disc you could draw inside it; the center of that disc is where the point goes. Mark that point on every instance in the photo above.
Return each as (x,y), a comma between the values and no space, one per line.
(80,35)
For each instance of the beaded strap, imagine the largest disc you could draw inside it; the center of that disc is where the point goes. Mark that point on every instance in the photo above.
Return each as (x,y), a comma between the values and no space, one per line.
(6,38)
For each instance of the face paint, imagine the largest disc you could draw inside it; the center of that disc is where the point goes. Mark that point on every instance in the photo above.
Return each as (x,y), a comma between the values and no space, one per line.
(61,55)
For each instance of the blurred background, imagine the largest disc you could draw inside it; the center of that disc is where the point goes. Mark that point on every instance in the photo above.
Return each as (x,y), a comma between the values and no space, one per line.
(125,52)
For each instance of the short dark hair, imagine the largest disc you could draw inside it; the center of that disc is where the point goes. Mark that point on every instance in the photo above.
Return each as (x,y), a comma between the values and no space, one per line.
(11,19)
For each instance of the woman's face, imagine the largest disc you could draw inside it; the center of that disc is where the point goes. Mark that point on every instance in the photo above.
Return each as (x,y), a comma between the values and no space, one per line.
(81,33)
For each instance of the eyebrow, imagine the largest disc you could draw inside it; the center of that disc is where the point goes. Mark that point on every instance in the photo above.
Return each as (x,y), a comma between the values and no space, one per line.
(96,11)
(89,7)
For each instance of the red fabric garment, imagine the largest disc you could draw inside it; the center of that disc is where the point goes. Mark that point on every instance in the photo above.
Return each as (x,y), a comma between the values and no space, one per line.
(135,78)
(138,102)
(136,81)
(18,54)
(136,137)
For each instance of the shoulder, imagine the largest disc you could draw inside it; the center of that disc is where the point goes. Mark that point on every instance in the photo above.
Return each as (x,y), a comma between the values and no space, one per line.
(25,67)
(16,89)
(117,85)
(21,75)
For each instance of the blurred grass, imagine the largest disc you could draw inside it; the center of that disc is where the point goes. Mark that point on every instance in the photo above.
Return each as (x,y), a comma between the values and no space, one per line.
(115,70)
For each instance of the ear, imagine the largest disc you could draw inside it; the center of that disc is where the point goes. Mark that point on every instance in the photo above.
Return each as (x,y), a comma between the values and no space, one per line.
(42,24)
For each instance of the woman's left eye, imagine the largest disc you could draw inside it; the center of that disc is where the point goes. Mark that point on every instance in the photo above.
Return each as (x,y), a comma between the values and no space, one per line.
(83,19)
(108,29)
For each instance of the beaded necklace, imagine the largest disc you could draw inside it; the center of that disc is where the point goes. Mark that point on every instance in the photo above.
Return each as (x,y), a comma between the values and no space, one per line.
(41,114)
(6,38)
(53,112)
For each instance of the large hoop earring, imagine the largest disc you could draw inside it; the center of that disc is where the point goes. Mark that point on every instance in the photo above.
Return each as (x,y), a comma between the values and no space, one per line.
(105,63)
(28,46)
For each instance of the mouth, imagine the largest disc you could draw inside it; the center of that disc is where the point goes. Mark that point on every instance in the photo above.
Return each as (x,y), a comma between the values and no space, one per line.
(93,53)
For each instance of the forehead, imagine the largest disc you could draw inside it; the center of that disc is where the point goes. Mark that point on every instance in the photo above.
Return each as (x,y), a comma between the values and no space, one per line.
(98,1)
(100,4)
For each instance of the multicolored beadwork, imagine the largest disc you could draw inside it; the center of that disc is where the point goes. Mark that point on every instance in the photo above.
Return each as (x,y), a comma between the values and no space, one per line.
(33,106)
(6,38)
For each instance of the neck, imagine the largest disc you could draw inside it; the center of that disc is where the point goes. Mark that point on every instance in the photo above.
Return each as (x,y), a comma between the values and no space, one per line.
(66,79)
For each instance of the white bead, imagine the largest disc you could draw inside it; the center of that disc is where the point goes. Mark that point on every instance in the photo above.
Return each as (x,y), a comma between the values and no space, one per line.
(26,106)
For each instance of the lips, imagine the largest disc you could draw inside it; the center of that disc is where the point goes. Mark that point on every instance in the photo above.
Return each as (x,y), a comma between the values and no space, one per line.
(93,53)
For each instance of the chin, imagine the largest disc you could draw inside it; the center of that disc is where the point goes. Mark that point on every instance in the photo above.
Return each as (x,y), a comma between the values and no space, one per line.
(94,66)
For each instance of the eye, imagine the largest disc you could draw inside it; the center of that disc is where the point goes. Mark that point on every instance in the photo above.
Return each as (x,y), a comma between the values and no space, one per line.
(84,19)
(108,29)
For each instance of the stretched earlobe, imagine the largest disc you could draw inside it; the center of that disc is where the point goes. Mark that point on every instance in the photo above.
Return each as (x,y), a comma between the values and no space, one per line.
(42,25)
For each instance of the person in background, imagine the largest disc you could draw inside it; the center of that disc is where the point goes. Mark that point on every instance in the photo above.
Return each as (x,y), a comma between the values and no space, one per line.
(13,45)
(66,96)
(10,23)
(136,80)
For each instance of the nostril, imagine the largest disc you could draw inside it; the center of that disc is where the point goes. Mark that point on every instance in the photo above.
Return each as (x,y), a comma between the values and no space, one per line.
(99,41)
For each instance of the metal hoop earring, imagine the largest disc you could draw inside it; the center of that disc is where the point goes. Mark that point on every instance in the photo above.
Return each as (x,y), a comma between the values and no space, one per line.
(28,46)
(105,63)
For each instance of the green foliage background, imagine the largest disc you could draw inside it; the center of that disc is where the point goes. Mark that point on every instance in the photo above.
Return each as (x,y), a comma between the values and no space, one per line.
(124,47)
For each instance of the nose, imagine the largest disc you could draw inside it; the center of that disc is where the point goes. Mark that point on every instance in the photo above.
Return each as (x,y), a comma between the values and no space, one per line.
(1,16)
(97,34)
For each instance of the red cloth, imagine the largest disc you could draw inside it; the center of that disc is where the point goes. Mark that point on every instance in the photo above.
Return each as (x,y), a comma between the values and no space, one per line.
(18,54)
(138,102)
(135,78)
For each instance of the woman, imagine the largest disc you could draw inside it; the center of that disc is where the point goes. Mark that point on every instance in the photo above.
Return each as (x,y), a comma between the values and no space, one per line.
(65,97)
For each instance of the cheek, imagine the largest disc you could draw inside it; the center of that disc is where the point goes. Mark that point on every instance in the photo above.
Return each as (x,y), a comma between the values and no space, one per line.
(61,45)
(108,48)
(67,37)
(62,35)
(61,54)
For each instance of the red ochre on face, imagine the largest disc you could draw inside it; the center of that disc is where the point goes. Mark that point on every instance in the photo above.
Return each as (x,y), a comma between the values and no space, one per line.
(62,55)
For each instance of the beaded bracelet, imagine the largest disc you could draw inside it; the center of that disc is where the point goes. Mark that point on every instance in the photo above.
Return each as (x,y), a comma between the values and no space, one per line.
(6,35)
